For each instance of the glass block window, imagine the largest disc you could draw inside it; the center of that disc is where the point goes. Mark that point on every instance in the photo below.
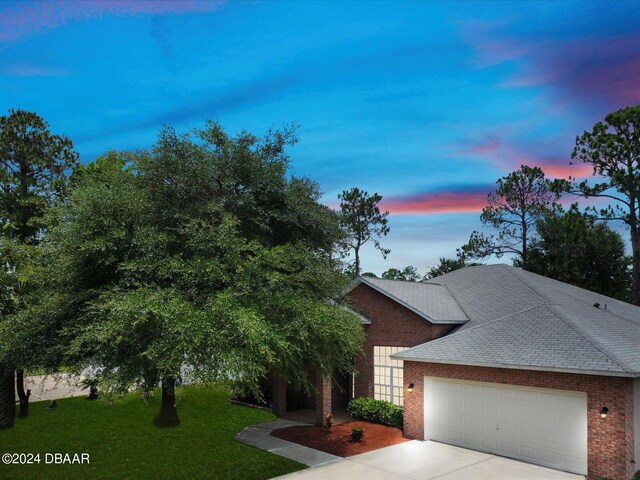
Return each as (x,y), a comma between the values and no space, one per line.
(387,375)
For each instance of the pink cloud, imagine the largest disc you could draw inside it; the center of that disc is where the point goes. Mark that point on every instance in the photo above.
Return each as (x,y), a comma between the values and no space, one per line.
(31,17)
(509,156)
(486,145)
(457,201)
(590,69)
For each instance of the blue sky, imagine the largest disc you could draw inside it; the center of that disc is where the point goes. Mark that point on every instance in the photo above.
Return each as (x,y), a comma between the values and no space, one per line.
(426,103)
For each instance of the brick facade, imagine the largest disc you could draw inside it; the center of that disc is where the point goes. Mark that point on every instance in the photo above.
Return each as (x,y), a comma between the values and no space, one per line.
(609,441)
(323,397)
(391,325)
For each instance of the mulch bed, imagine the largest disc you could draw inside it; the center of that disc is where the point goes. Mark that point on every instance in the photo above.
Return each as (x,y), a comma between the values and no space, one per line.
(337,439)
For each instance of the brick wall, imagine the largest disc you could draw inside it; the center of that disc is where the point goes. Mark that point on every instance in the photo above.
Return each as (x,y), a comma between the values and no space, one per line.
(391,325)
(609,441)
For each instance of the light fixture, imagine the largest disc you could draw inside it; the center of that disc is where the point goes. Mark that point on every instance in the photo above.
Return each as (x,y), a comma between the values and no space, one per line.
(603,412)
(410,387)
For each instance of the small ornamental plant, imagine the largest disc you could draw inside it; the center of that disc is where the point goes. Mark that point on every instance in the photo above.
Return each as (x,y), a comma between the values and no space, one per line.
(357,433)
(328,420)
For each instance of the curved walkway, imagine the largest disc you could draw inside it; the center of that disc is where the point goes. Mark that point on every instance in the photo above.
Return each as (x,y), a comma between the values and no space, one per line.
(259,436)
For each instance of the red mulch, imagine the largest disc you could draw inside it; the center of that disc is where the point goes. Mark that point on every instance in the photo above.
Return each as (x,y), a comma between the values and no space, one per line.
(337,439)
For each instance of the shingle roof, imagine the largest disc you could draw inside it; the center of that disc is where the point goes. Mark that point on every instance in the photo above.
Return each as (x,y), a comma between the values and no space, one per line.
(431,301)
(523,320)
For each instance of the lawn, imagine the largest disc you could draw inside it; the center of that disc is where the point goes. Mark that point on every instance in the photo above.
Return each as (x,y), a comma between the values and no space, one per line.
(122,441)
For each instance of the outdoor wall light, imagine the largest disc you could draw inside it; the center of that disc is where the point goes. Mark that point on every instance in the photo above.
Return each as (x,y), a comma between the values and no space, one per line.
(603,412)
(410,387)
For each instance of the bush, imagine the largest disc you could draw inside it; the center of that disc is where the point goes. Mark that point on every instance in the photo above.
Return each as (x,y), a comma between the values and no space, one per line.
(357,433)
(376,411)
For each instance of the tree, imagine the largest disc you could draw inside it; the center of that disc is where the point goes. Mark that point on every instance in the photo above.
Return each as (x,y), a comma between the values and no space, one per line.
(33,173)
(447,265)
(362,221)
(612,148)
(520,199)
(33,176)
(409,274)
(201,256)
(571,247)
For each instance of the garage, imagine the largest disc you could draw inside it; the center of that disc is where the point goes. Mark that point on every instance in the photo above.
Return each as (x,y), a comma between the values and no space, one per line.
(538,425)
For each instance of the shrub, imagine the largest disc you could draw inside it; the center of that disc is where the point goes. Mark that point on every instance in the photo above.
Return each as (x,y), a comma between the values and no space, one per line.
(376,411)
(357,433)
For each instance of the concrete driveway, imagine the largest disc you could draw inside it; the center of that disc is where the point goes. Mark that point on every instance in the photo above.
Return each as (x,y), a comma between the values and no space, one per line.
(417,460)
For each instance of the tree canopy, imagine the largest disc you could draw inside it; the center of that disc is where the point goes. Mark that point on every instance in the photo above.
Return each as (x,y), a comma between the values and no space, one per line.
(362,220)
(573,248)
(446,265)
(33,167)
(34,164)
(408,273)
(520,198)
(200,257)
(612,148)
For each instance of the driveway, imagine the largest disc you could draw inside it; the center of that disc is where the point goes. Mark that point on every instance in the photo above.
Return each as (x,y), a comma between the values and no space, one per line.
(416,460)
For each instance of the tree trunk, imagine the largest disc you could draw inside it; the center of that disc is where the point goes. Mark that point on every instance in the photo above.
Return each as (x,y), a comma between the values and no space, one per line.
(524,245)
(635,257)
(7,397)
(168,413)
(22,395)
(357,252)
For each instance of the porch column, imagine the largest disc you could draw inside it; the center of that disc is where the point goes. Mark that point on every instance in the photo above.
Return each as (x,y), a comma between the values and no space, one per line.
(279,395)
(323,397)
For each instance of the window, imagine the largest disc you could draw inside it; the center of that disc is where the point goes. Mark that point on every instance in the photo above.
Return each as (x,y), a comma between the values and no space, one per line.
(387,375)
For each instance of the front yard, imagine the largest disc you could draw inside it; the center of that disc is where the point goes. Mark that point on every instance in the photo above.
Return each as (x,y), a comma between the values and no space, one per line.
(122,441)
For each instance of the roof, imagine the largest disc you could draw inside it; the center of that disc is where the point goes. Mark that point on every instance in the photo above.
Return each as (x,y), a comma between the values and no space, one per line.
(430,301)
(518,319)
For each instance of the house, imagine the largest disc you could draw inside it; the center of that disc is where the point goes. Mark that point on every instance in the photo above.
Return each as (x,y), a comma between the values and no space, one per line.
(497,359)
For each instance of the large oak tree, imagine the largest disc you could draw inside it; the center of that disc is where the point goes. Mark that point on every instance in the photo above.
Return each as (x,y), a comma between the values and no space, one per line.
(200,258)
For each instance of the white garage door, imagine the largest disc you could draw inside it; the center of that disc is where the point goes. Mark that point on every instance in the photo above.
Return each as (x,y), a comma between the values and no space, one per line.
(536,425)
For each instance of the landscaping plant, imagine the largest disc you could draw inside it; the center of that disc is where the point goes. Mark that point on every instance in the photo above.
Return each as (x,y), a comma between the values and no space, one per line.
(328,420)
(357,433)
(376,411)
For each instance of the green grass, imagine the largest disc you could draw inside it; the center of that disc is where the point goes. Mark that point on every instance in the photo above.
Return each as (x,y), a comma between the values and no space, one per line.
(123,442)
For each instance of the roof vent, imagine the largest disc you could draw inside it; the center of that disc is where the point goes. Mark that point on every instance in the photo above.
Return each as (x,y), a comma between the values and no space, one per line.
(597,305)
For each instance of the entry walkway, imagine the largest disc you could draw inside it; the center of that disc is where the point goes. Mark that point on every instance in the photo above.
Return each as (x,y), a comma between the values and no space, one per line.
(416,460)
(259,436)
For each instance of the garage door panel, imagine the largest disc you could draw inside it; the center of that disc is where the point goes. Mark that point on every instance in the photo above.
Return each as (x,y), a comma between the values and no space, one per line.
(529,453)
(542,426)
(472,441)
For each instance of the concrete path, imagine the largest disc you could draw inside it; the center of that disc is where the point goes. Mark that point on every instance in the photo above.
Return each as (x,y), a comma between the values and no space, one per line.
(49,387)
(416,460)
(259,436)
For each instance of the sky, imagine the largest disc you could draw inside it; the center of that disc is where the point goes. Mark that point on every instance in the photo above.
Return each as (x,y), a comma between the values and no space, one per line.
(425,103)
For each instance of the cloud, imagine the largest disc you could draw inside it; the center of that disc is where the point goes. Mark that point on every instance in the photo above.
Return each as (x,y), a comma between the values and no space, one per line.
(603,69)
(506,155)
(33,70)
(487,145)
(209,104)
(30,17)
(464,199)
